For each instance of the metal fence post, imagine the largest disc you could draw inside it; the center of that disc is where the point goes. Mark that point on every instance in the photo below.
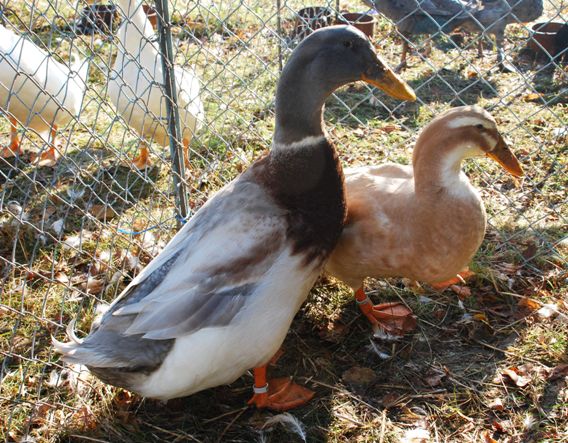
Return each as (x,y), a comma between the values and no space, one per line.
(176,150)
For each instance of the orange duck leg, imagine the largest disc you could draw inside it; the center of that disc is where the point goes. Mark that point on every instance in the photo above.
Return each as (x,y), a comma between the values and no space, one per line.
(14,149)
(393,318)
(278,394)
(461,277)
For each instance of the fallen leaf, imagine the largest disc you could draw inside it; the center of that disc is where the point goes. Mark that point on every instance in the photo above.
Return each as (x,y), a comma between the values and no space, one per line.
(102,212)
(497,405)
(93,286)
(530,251)
(558,372)
(391,400)
(60,277)
(533,96)
(86,418)
(40,414)
(480,316)
(358,375)
(501,426)
(433,380)
(390,128)
(518,379)
(528,304)
(463,292)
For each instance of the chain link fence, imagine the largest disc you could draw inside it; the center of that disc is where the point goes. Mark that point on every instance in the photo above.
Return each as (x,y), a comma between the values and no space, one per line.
(82,210)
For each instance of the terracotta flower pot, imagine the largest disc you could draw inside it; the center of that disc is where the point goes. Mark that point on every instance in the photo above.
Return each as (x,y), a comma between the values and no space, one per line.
(363,22)
(544,38)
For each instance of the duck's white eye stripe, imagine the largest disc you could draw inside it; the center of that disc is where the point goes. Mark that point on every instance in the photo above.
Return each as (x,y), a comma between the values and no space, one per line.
(307,141)
(466,121)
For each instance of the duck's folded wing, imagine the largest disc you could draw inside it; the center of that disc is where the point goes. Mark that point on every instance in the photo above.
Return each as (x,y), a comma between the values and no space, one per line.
(207,273)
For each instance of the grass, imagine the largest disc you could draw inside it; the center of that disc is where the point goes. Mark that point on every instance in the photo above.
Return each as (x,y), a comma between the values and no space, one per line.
(447,380)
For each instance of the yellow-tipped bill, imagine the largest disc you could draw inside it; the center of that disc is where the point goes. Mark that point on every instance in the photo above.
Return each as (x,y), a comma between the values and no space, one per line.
(505,157)
(392,84)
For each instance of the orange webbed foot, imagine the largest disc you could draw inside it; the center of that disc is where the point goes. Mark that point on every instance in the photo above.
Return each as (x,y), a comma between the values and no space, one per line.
(141,161)
(460,278)
(47,158)
(281,394)
(393,318)
(13,150)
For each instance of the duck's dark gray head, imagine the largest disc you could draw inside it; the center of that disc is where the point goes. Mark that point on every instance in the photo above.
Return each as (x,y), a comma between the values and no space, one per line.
(338,55)
(326,60)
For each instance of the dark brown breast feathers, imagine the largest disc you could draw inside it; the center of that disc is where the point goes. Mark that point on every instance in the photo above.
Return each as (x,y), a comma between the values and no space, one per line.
(308,183)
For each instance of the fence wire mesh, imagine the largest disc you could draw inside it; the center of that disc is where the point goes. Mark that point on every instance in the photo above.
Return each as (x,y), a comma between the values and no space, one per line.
(82,210)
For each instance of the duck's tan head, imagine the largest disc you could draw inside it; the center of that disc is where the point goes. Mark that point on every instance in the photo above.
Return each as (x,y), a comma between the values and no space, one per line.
(471,131)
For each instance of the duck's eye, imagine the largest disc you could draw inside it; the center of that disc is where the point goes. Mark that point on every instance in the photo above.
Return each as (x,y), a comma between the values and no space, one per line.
(480,126)
(348,43)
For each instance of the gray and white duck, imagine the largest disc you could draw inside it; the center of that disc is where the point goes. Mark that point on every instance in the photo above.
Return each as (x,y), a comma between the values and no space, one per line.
(221,296)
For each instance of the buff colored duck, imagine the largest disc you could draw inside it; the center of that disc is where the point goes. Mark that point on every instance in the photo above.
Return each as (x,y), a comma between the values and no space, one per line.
(423,222)
(37,92)
(221,296)
(135,86)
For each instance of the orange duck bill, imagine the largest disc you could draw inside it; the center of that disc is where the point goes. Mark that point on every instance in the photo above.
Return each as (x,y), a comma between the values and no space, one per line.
(385,79)
(503,155)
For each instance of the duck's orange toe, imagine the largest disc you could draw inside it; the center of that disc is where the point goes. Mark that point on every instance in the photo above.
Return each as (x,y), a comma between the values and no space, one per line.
(281,395)
(47,158)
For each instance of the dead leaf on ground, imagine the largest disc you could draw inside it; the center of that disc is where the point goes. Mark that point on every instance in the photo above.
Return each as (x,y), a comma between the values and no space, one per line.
(463,292)
(390,400)
(517,377)
(434,378)
(559,371)
(528,304)
(390,128)
(93,285)
(532,97)
(497,405)
(358,375)
(85,418)
(501,426)
(488,439)
(40,414)
(60,277)
(102,212)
